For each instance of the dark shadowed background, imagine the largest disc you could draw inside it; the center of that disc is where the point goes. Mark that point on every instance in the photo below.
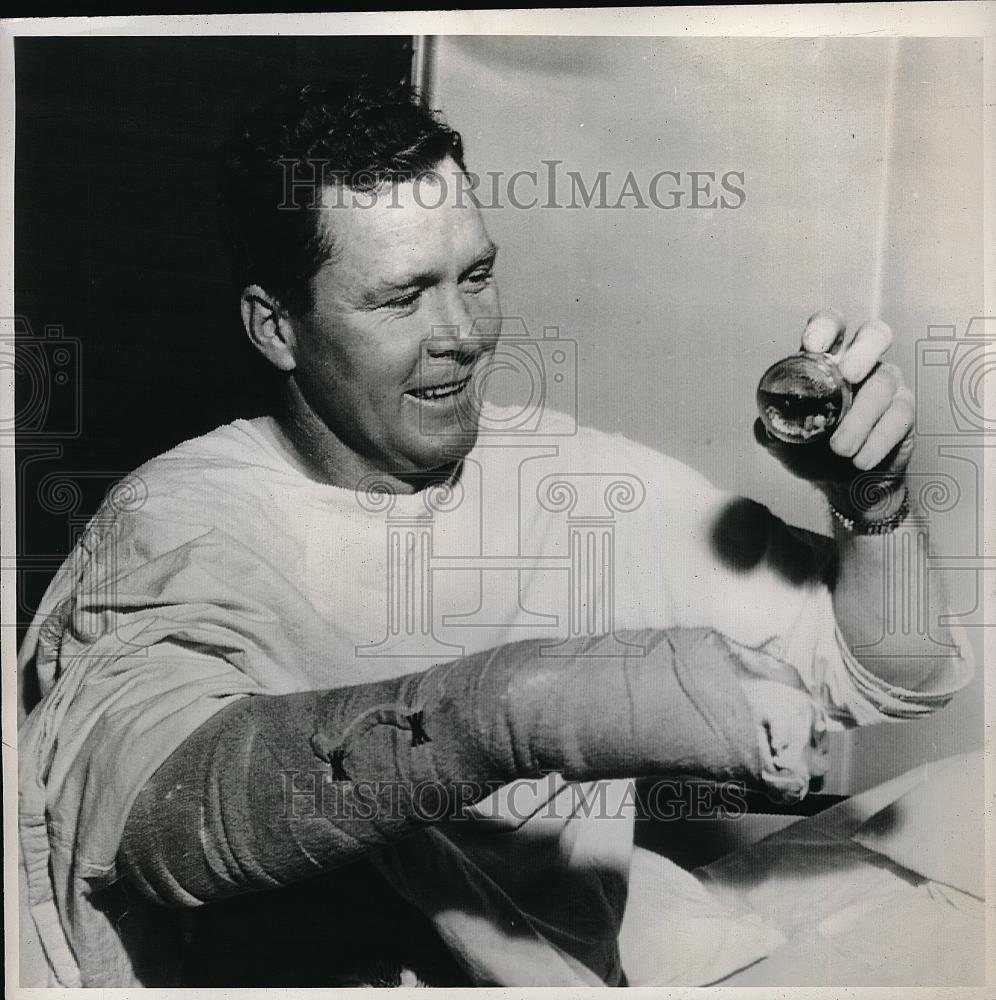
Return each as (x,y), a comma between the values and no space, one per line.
(128,324)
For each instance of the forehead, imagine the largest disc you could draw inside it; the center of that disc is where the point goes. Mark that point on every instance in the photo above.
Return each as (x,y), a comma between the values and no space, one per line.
(423,223)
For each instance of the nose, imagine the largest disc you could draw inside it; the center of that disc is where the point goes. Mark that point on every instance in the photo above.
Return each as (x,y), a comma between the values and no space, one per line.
(458,331)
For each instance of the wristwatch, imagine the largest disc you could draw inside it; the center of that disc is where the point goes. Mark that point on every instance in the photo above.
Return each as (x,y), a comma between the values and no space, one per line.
(883,526)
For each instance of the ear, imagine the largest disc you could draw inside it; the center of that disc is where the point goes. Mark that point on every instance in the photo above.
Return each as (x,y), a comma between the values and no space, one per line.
(269,328)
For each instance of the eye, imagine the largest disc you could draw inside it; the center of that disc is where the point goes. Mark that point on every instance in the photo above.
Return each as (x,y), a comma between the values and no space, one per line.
(478,280)
(403,302)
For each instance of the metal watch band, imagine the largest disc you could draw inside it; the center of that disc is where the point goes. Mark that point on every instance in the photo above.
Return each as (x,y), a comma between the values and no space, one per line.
(884,526)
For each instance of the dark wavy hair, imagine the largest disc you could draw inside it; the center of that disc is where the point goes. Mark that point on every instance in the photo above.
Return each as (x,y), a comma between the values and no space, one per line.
(355,132)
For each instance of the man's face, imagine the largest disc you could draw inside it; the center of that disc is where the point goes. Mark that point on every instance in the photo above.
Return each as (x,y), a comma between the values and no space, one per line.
(383,357)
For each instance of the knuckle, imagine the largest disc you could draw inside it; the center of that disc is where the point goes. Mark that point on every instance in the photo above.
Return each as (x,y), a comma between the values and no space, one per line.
(905,414)
(886,377)
(905,397)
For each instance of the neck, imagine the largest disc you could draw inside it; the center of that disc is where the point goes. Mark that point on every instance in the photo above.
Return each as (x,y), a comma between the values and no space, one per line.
(312,447)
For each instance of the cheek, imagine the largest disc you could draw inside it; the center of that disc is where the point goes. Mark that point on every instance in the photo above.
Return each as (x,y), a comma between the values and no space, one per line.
(325,371)
(484,305)
(382,366)
(340,358)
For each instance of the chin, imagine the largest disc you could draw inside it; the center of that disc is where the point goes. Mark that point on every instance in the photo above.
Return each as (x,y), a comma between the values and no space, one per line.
(444,449)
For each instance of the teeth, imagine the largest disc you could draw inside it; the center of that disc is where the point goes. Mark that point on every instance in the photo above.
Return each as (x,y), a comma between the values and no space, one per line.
(441,391)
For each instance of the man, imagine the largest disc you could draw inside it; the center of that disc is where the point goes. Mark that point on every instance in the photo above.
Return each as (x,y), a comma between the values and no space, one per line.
(224,782)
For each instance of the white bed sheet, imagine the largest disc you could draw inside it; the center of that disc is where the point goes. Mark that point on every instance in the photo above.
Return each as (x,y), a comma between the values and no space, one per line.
(851,917)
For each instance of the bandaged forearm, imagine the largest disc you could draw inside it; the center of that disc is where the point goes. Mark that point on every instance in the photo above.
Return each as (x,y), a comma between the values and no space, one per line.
(273,789)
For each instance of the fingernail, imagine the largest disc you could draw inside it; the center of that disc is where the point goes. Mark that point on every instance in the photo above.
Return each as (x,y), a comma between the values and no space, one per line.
(843,443)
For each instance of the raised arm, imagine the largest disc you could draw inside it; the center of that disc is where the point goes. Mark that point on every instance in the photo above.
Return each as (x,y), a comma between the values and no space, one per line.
(862,474)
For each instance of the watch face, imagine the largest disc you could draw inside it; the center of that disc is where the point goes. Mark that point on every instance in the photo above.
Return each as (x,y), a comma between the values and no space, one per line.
(802,398)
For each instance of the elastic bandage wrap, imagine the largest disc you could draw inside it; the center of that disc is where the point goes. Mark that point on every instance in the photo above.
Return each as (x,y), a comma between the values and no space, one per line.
(275,788)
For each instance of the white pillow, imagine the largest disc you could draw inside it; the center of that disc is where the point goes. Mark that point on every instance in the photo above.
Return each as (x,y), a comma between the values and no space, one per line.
(937,829)
(676,933)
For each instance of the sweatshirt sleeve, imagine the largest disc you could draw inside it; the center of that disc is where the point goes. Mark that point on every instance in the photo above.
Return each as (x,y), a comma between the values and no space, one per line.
(729,563)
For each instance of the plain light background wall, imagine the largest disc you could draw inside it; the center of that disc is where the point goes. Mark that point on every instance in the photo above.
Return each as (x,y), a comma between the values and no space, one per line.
(862,169)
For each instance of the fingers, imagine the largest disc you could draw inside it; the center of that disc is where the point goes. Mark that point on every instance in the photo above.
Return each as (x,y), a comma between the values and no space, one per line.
(792,738)
(785,770)
(790,728)
(872,400)
(823,330)
(870,342)
(857,352)
(875,433)
(785,788)
(819,750)
(768,765)
(892,428)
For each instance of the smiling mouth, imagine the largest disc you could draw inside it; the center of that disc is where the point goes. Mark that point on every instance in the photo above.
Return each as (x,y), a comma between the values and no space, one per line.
(440,391)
